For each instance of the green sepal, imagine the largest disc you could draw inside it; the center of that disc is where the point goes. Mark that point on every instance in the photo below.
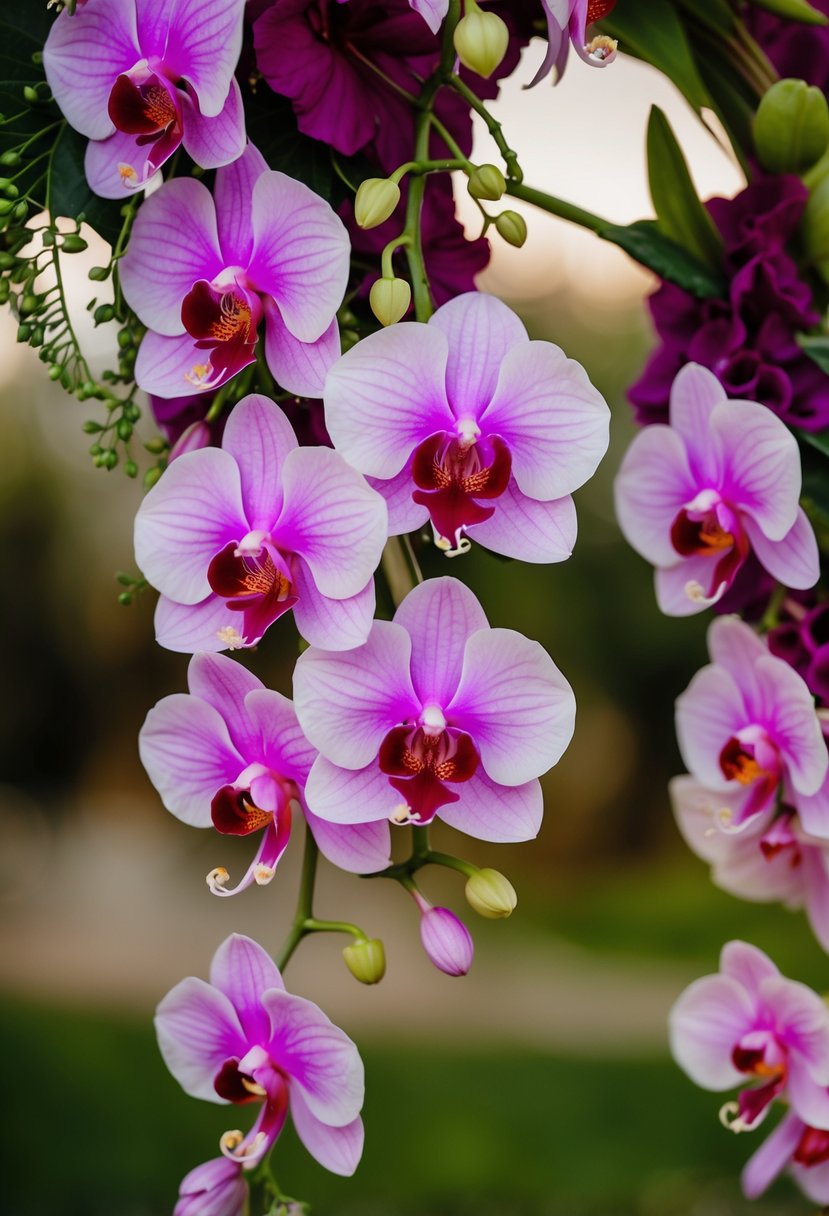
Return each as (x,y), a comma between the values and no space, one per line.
(792,10)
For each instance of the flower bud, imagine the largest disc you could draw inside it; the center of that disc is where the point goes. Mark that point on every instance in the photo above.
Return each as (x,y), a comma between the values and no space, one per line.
(481,40)
(486,182)
(366,960)
(512,227)
(193,437)
(217,1187)
(491,894)
(446,940)
(791,127)
(375,201)
(389,300)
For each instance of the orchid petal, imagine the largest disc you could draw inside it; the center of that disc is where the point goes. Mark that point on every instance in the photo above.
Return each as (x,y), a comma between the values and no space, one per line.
(83,56)
(405,515)
(480,330)
(359,848)
(346,796)
(501,813)
(433,12)
(682,589)
(242,970)
(773,1155)
(802,1019)
(762,465)
(706,1023)
(695,393)
(747,965)
(808,1098)
(216,141)
(259,438)
(708,714)
(652,486)
(208,626)
(224,684)
(282,744)
(529,530)
(203,46)
(813,810)
(171,367)
(788,707)
(198,1030)
(106,158)
(233,197)
(440,616)
(300,367)
(339,1149)
(328,623)
(794,561)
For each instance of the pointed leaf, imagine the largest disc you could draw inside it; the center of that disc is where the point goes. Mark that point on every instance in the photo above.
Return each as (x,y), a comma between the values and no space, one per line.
(679,212)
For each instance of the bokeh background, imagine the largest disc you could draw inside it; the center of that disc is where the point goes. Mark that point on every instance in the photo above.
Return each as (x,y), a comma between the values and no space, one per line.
(540,1085)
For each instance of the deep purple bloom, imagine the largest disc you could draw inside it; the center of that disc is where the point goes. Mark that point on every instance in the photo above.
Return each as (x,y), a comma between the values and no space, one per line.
(468,423)
(140,78)
(235,536)
(435,714)
(203,271)
(696,497)
(241,1038)
(231,755)
(749,1023)
(568,23)
(795,1146)
(796,49)
(802,640)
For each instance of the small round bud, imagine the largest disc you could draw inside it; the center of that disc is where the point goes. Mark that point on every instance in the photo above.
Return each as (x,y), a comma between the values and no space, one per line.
(6,205)
(791,127)
(131,468)
(11,191)
(814,228)
(99,273)
(21,211)
(446,940)
(481,40)
(29,304)
(389,300)
(30,94)
(103,313)
(375,201)
(491,894)
(73,243)
(124,429)
(54,372)
(110,459)
(125,599)
(366,960)
(151,476)
(10,159)
(512,227)
(486,182)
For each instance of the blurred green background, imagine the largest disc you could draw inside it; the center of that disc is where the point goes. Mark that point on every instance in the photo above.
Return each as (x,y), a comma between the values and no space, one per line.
(538,1086)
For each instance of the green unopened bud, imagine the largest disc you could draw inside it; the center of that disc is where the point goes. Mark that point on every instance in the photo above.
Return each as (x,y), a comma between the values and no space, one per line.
(10,159)
(29,94)
(29,304)
(791,127)
(486,182)
(11,191)
(6,205)
(21,211)
(125,599)
(151,476)
(55,371)
(131,468)
(389,300)
(375,201)
(99,273)
(814,228)
(512,227)
(124,429)
(481,40)
(491,895)
(103,313)
(366,960)
(73,243)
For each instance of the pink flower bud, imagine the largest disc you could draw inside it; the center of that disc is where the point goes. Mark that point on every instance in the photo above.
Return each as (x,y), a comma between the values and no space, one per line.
(446,940)
(196,436)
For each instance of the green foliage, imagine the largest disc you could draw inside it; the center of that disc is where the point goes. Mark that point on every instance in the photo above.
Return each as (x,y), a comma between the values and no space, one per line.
(679,212)
(792,10)
(271,126)
(655,33)
(648,245)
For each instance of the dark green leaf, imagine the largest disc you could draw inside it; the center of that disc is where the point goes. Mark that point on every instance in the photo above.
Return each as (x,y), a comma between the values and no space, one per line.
(69,192)
(651,248)
(816,347)
(679,212)
(717,15)
(653,31)
(816,439)
(792,10)
(271,126)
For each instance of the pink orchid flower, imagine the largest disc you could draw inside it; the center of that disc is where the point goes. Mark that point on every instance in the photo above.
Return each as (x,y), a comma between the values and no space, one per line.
(468,423)
(202,271)
(139,78)
(231,755)
(793,1144)
(696,497)
(749,1023)
(747,725)
(241,1038)
(567,24)
(235,536)
(436,713)
(215,1188)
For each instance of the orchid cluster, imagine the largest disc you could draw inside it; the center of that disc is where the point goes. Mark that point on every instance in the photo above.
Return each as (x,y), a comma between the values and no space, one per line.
(296,298)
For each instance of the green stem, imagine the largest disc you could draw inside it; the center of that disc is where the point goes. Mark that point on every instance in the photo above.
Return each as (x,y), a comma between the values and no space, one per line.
(451,144)
(305,901)
(510,157)
(557,206)
(335,926)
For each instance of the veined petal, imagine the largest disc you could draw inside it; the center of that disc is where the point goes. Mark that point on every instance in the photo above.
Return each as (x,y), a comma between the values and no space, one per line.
(188,517)
(706,1023)
(515,703)
(553,420)
(224,684)
(808,1098)
(772,1157)
(171,367)
(762,465)
(501,813)
(203,46)
(233,197)
(346,796)
(653,484)
(359,848)
(282,744)
(735,646)
(216,141)
(813,810)
(327,623)
(174,243)
(788,707)
(708,713)
(242,970)
(439,616)
(747,965)
(695,393)
(386,395)
(802,1019)
(259,438)
(432,12)
(480,329)
(300,254)
(300,367)
(208,625)
(794,561)
(339,1149)
(187,751)
(346,702)
(118,167)
(682,589)
(198,1029)
(529,530)
(84,54)
(405,515)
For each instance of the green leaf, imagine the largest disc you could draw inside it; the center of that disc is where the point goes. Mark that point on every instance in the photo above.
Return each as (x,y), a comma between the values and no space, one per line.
(716,15)
(680,214)
(272,127)
(816,346)
(644,242)
(69,192)
(815,439)
(792,10)
(652,30)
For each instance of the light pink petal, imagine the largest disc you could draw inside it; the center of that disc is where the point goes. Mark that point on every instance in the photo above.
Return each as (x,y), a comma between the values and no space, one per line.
(327,623)
(762,464)
(553,420)
(317,1056)
(189,628)
(814,813)
(282,744)
(515,703)
(386,395)
(186,519)
(708,713)
(300,254)
(815,864)
(529,530)
(813,1181)
(347,702)
(706,1024)
(808,1098)
(432,12)
(198,1029)
(233,197)
(203,46)
(259,438)
(173,243)
(772,1157)
(169,367)
(84,54)
(224,684)
(242,970)
(346,796)
(185,747)
(333,519)
(747,965)
(105,157)
(501,813)
(359,848)
(787,705)
(299,367)
(651,488)
(802,1018)
(339,1149)
(440,616)
(405,515)
(794,561)
(694,394)
(681,589)
(735,646)
(216,141)
(480,329)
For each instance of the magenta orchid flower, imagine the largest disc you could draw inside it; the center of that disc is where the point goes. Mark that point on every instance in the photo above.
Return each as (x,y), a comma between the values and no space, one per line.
(793,1144)
(435,714)
(468,423)
(750,1024)
(772,861)
(241,1038)
(445,938)
(215,1188)
(235,536)
(747,725)
(203,271)
(568,22)
(696,497)
(138,79)
(231,754)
